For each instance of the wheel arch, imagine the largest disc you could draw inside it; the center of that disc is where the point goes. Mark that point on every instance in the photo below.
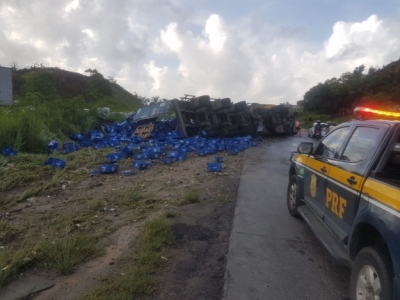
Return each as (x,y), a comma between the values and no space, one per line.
(367,235)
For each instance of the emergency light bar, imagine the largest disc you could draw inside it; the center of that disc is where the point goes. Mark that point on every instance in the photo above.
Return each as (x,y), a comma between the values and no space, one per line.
(377,112)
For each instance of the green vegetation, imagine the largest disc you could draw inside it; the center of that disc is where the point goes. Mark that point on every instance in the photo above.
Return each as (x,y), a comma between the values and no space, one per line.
(23,169)
(52,103)
(191,197)
(152,248)
(379,88)
(170,215)
(65,254)
(12,262)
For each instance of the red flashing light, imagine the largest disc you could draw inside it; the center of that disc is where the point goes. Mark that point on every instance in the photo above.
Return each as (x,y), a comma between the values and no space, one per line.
(378,112)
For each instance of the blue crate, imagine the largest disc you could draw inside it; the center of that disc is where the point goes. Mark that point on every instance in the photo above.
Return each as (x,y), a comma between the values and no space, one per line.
(138,156)
(155,155)
(146,155)
(70,147)
(55,162)
(113,157)
(140,164)
(172,153)
(98,145)
(167,160)
(218,159)
(85,143)
(108,169)
(180,157)
(214,167)
(128,172)
(156,149)
(202,152)
(52,146)
(113,143)
(233,151)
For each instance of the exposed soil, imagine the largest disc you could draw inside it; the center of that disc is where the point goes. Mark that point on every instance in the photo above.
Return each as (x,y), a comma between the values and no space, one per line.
(114,208)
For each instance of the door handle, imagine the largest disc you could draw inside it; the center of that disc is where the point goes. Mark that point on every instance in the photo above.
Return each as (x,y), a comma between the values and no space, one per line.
(352,180)
(324,170)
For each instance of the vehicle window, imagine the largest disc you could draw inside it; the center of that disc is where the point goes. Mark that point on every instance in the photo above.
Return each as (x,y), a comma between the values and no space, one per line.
(330,146)
(391,171)
(361,142)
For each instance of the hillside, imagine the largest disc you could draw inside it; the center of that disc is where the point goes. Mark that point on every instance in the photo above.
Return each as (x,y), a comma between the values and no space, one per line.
(379,88)
(94,89)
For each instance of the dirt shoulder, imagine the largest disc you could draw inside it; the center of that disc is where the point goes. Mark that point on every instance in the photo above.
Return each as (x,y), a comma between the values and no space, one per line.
(113,209)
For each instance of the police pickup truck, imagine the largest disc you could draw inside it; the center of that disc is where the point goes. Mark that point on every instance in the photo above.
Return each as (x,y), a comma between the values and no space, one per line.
(347,188)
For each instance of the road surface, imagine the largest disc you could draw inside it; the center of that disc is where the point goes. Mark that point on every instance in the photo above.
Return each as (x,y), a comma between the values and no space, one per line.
(273,255)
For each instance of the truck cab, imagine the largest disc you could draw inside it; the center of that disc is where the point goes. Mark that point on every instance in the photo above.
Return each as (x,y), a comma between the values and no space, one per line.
(347,189)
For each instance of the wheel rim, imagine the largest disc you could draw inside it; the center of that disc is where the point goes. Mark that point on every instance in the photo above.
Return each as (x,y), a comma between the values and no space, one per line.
(368,284)
(293,195)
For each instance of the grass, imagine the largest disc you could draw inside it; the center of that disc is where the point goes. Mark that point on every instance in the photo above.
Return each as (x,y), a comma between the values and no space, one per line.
(12,262)
(170,215)
(137,280)
(65,254)
(22,169)
(190,197)
(6,232)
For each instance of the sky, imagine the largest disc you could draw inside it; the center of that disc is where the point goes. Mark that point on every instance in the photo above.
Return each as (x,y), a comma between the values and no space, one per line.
(258,51)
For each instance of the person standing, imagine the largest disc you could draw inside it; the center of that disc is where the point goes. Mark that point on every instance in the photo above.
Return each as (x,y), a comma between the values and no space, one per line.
(260,128)
(297,128)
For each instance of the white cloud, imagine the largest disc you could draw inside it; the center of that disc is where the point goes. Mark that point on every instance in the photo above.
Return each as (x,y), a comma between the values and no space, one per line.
(170,38)
(153,47)
(215,32)
(72,5)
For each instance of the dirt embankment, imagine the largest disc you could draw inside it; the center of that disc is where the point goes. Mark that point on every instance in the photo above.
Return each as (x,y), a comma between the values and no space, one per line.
(112,208)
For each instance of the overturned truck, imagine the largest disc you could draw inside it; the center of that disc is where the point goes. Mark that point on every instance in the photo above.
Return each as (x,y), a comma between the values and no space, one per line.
(221,117)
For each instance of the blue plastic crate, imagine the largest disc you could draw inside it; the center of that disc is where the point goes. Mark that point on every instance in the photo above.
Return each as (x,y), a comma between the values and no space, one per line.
(113,157)
(156,149)
(128,172)
(180,157)
(52,146)
(127,150)
(172,153)
(214,167)
(108,169)
(146,155)
(138,156)
(167,160)
(218,159)
(202,152)
(98,145)
(140,164)
(85,143)
(113,142)
(55,162)
(155,155)
(233,151)
(70,147)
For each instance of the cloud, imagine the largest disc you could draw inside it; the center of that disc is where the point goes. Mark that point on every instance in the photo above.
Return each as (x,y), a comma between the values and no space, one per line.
(150,47)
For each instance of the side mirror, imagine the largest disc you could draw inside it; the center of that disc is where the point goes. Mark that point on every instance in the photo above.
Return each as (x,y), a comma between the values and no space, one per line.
(305,148)
(396,148)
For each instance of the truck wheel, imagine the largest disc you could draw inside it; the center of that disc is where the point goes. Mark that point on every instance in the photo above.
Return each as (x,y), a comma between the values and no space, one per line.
(371,275)
(293,200)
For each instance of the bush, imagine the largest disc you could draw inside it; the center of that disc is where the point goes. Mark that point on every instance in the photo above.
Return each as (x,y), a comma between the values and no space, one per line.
(30,125)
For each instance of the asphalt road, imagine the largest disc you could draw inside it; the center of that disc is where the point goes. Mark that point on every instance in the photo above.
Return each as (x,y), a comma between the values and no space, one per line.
(273,255)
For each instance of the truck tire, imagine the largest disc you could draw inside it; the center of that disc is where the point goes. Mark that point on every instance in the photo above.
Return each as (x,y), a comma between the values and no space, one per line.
(201,101)
(293,200)
(372,266)
(248,130)
(221,104)
(240,106)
